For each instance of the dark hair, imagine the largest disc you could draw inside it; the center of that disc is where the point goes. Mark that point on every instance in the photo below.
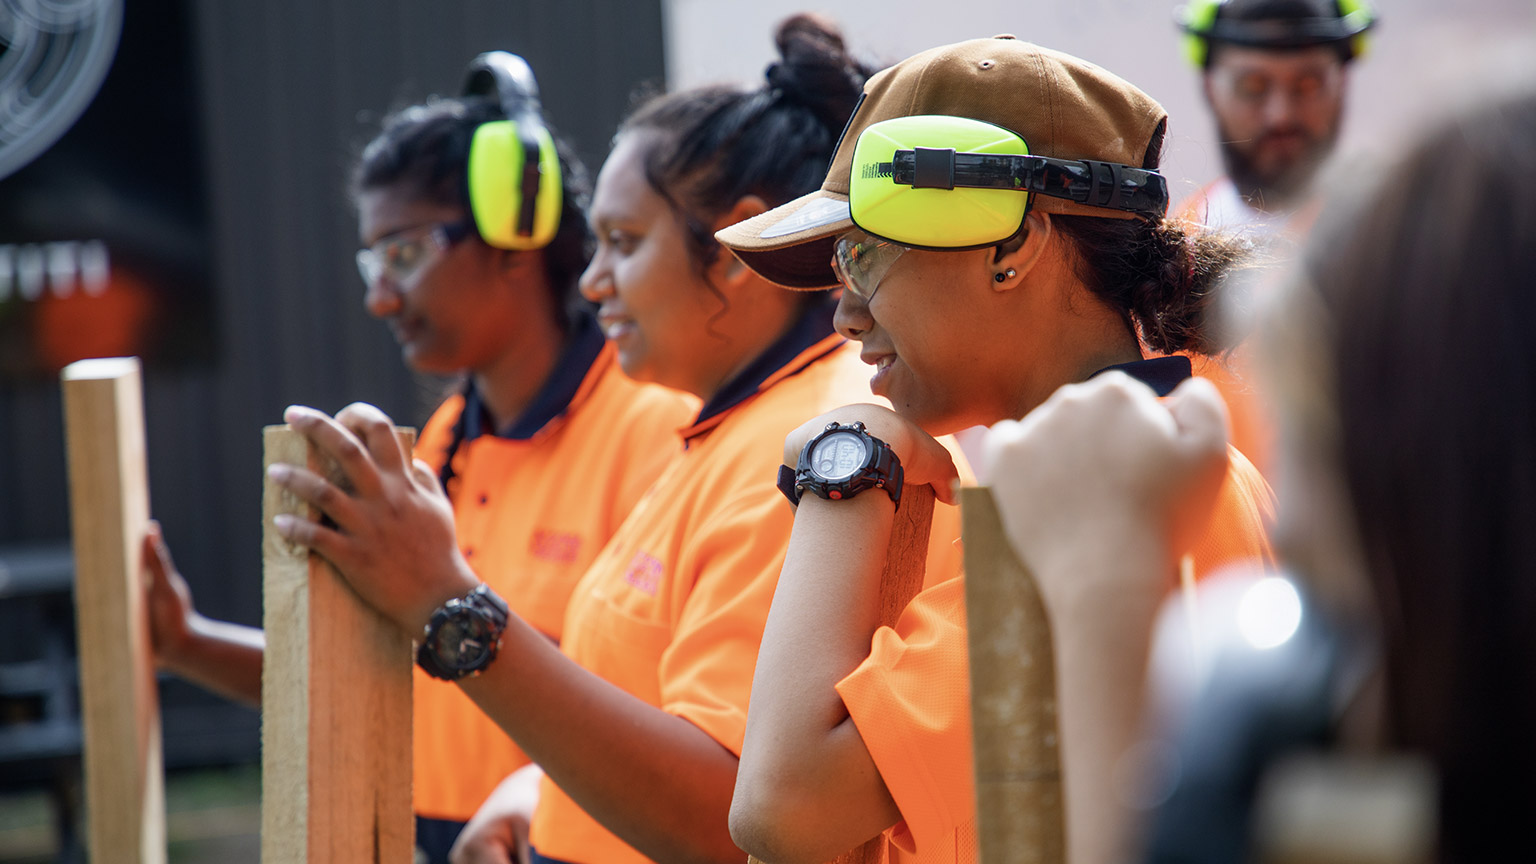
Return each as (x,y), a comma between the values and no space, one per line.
(1429,286)
(424,149)
(715,145)
(1163,277)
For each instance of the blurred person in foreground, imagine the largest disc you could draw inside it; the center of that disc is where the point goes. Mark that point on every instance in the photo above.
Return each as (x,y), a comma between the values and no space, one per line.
(1400,356)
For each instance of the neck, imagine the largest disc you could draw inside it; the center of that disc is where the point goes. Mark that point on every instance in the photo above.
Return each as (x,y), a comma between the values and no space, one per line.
(755,321)
(1081,348)
(509,382)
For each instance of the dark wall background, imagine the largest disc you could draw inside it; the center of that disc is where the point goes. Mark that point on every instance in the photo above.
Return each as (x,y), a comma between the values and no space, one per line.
(286,90)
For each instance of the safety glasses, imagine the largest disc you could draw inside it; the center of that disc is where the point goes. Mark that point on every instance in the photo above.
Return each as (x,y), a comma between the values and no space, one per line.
(942,182)
(403,254)
(862,261)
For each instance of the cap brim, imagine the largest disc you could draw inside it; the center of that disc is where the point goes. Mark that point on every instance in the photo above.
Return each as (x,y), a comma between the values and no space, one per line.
(791,245)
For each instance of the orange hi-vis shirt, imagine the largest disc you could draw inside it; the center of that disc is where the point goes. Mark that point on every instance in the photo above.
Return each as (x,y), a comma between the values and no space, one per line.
(533,505)
(1220,207)
(910,698)
(673,609)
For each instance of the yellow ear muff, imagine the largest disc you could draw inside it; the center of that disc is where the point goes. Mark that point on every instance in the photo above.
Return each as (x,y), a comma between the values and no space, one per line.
(1357,13)
(1197,20)
(516,204)
(497,155)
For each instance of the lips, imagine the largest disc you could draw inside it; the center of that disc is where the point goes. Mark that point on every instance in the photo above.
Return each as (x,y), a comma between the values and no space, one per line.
(614,325)
(882,363)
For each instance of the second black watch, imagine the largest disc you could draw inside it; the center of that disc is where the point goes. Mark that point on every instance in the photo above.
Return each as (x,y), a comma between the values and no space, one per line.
(840,462)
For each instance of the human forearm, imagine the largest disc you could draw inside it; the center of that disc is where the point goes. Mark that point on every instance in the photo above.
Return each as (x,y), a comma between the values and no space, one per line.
(220,656)
(1102,635)
(652,778)
(808,788)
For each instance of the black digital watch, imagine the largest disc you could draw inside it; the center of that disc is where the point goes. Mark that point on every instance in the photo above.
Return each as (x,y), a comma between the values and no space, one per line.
(840,462)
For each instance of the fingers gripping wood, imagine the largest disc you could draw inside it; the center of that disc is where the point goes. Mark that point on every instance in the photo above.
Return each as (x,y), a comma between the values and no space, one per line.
(336,699)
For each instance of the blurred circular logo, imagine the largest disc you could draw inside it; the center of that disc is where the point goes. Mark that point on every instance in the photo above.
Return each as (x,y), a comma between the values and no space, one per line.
(54,55)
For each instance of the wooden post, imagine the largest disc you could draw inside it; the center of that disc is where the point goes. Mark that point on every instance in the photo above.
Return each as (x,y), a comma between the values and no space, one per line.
(109,503)
(1013,696)
(906,561)
(336,701)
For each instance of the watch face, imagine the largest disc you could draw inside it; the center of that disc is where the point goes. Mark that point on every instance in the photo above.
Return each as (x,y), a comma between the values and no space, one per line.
(461,640)
(837,456)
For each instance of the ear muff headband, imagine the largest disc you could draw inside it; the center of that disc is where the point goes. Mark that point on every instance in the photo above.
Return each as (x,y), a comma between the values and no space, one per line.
(942,182)
(513,173)
(1200,22)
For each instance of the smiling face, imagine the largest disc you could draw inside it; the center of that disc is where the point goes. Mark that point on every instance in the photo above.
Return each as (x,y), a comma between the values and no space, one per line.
(653,302)
(1277,113)
(932,333)
(463,306)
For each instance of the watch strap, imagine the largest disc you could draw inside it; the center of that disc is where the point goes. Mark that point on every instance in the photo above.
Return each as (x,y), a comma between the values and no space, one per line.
(786,484)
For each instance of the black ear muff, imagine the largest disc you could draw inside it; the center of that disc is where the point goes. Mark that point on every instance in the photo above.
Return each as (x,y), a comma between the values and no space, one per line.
(513,173)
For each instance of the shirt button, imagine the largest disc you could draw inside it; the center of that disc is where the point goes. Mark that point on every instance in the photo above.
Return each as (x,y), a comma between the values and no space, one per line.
(484,499)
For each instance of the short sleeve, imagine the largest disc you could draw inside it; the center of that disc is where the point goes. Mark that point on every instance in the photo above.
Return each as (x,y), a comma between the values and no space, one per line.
(734,561)
(910,700)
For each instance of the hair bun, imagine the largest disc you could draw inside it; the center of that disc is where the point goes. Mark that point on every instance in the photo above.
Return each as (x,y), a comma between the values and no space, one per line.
(814,68)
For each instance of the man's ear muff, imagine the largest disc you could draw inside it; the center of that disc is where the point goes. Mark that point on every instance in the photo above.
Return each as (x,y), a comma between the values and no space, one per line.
(1198,20)
(1364,17)
(513,173)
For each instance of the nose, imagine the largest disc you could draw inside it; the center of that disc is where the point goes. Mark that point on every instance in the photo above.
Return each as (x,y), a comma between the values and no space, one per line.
(852,319)
(381,299)
(1282,107)
(596,282)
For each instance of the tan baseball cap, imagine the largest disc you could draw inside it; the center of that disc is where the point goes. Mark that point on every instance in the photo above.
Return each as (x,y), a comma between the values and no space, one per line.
(1063,107)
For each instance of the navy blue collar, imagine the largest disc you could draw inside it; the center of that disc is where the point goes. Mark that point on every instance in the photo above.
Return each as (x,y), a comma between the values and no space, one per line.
(552,400)
(1162,374)
(813,325)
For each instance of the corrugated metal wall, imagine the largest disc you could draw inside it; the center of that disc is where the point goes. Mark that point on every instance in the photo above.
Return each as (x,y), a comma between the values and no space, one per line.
(288,90)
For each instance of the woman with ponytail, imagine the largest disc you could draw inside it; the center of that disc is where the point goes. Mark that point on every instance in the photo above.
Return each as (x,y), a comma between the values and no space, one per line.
(994,216)
(636,718)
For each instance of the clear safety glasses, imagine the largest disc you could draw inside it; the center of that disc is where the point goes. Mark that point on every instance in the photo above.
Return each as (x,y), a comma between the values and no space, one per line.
(403,254)
(862,261)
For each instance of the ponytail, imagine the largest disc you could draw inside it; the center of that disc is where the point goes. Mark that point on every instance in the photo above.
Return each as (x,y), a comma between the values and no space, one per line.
(1164,279)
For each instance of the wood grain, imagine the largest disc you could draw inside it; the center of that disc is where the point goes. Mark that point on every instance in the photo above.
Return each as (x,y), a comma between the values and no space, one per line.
(336,700)
(109,503)
(1013,696)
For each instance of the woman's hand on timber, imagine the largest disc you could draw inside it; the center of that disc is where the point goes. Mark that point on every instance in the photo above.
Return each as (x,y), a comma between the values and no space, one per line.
(393,538)
(924,461)
(172,616)
(1103,473)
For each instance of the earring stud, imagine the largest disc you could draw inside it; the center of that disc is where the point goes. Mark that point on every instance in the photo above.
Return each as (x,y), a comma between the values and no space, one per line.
(1006,275)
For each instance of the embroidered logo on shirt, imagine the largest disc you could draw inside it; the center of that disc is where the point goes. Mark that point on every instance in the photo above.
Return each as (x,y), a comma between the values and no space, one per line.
(556,546)
(644,573)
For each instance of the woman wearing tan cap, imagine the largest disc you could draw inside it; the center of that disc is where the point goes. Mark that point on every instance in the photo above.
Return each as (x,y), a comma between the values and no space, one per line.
(994,216)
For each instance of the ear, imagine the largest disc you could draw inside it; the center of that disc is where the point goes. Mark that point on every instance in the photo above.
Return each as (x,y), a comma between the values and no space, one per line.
(1021,259)
(729,269)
